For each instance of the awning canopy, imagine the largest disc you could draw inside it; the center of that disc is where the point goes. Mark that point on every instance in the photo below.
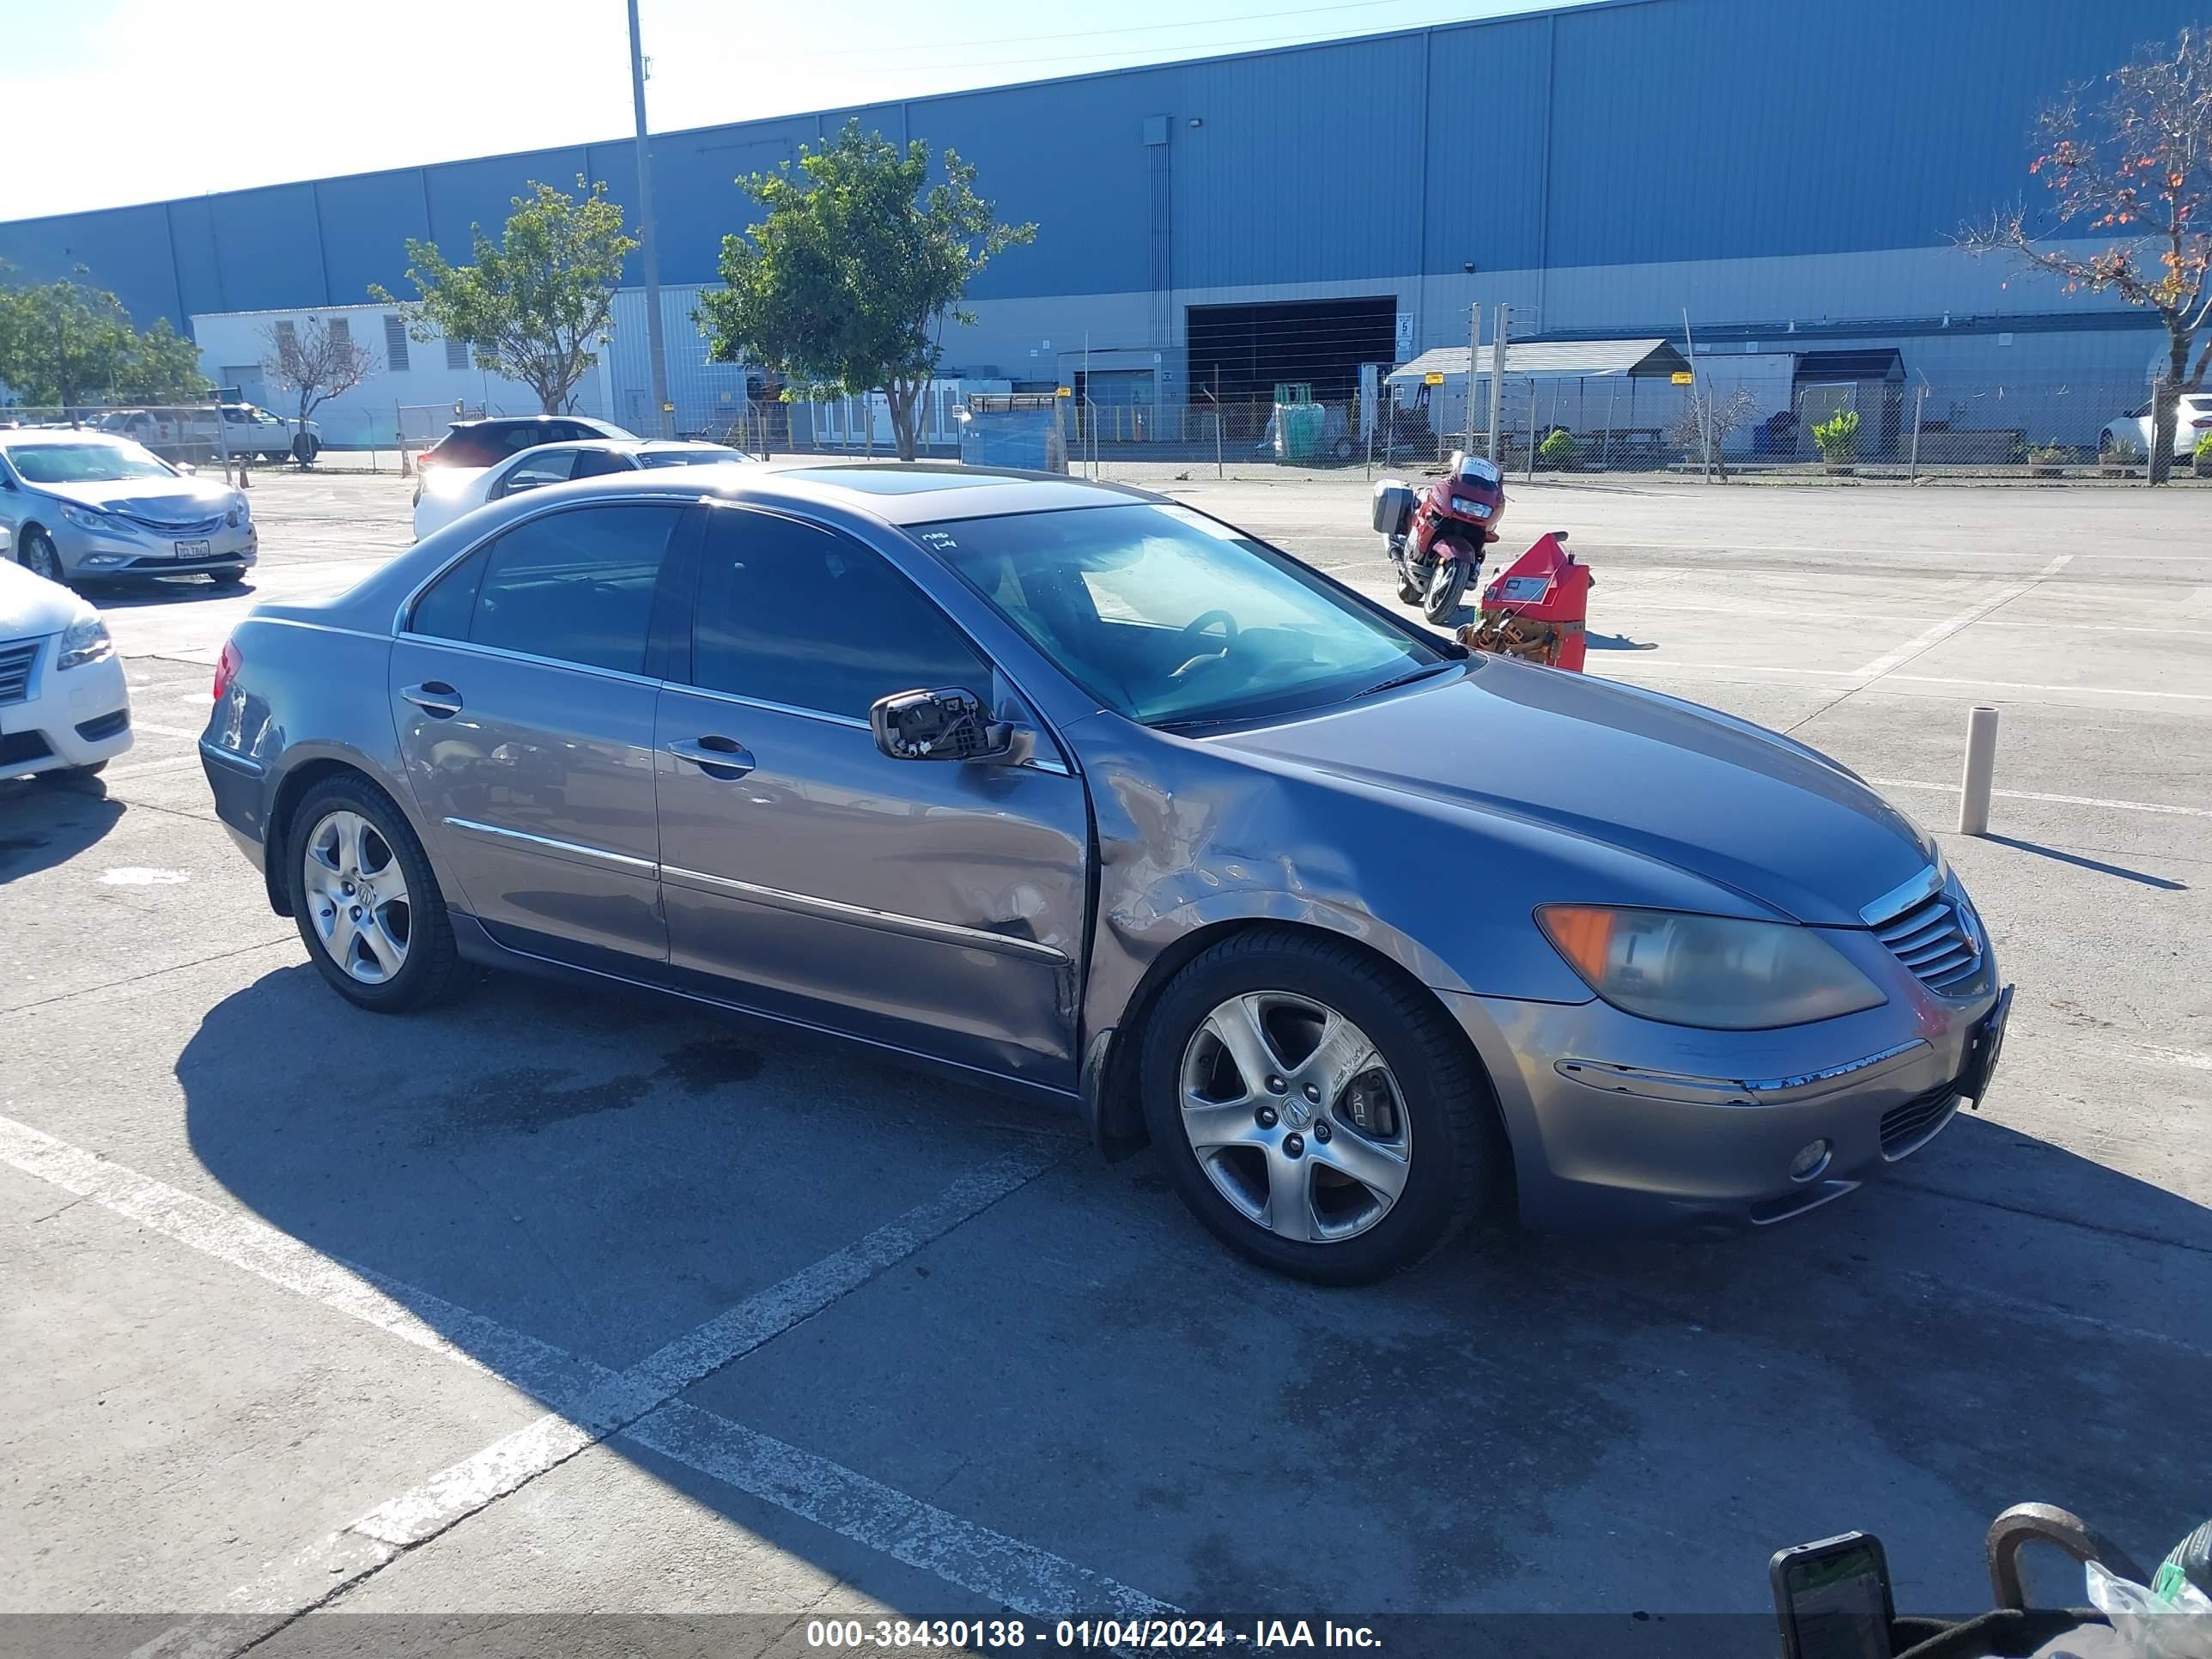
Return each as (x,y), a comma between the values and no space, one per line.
(1559,360)
(1883,363)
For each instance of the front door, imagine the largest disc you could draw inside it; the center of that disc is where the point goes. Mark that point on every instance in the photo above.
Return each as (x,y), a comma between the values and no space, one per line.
(936,906)
(525,719)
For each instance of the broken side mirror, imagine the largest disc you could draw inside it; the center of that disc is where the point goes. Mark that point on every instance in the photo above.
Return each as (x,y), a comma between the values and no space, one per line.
(946,725)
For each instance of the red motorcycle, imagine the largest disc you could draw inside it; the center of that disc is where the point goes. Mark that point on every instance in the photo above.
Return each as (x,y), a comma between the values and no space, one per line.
(1435,538)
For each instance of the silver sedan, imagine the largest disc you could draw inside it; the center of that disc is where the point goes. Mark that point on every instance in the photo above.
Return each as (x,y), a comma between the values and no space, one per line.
(80,506)
(1074,791)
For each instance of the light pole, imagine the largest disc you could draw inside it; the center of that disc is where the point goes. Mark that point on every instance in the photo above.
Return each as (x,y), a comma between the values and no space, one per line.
(657,347)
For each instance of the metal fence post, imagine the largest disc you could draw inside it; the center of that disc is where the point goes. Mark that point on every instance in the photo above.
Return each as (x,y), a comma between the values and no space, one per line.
(1918,403)
(1498,332)
(1532,430)
(1473,347)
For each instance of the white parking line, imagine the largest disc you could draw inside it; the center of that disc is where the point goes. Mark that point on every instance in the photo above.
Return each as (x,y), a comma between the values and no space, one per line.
(1660,667)
(161,730)
(1930,637)
(2097,801)
(592,1403)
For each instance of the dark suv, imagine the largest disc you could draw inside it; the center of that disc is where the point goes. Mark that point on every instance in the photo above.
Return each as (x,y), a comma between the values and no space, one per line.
(488,442)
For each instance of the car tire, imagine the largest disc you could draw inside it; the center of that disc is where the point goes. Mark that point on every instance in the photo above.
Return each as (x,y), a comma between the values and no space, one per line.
(229,576)
(37,554)
(427,962)
(306,448)
(1431,1088)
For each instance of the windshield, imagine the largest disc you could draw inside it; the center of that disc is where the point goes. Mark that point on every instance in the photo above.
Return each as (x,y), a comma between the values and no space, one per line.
(86,463)
(689,457)
(1173,619)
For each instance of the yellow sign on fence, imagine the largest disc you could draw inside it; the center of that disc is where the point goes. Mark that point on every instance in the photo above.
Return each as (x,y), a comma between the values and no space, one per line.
(1683,377)
(1432,378)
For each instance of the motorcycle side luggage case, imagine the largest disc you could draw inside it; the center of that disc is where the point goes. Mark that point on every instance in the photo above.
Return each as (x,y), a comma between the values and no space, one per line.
(1393,507)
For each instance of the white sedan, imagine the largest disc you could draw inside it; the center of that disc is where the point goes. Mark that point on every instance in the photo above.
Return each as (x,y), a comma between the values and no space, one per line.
(2192,419)
(449,492)
(64,708)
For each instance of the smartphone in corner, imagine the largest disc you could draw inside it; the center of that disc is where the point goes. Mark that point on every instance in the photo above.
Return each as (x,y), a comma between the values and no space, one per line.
(1832,1598)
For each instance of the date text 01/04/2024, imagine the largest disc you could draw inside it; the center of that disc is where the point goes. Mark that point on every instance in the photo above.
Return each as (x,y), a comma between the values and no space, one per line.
(1261,1635)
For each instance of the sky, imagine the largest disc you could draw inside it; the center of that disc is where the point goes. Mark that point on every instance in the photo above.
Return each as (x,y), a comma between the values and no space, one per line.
(144,100)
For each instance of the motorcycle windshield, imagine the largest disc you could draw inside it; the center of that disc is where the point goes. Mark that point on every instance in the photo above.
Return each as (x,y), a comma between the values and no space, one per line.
(1476,470)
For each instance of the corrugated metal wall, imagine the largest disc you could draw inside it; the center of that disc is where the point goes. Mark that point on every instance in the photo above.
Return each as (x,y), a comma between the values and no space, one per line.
(1605,136)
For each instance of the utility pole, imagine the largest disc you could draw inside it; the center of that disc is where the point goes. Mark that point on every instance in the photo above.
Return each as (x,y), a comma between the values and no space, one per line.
(1497,370)
(657,346)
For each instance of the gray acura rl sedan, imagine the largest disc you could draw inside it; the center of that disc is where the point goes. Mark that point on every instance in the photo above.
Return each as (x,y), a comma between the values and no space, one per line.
(1074,790)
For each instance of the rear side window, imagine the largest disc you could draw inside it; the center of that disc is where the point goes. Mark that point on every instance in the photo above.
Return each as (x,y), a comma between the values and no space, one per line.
(576,587)
(598,462)
(467,447)
(536,470)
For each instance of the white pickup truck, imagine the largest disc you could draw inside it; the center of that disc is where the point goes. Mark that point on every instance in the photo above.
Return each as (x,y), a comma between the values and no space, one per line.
(191,434)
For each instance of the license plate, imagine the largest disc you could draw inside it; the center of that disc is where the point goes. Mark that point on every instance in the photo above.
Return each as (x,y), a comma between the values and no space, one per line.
(192,549)
(1984,1048)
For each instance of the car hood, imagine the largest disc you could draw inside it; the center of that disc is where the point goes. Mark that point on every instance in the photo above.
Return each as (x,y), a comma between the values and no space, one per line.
(164,501)
(1694,788)
(30,605)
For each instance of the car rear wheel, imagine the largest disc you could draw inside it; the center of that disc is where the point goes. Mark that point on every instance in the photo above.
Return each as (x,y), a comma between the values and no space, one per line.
(39,556)
(1317,1113)
(366,903)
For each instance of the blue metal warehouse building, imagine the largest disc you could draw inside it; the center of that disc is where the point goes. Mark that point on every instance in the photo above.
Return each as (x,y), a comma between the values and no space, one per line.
(1782,172)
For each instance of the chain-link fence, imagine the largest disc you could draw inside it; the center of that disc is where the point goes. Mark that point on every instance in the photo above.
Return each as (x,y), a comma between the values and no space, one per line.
(1715,427)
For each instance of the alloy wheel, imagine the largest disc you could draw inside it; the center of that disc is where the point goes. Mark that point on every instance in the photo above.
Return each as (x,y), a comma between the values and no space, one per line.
(40,559)
(1294,1116)
(357,902)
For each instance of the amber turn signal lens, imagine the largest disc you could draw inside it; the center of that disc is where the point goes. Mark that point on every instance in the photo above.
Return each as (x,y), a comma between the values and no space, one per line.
(1583,934)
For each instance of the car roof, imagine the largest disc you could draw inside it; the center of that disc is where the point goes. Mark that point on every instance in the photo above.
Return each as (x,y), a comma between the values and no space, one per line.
(64,434)
(524,420)
(897,492)
(631,443)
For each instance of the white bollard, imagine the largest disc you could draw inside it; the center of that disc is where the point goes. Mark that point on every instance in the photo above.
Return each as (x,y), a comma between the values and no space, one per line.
(1981,762)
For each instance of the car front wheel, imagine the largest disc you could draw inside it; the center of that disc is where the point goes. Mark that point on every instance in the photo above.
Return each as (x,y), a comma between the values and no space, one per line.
(366,903)
(39,555)
(1318,1113)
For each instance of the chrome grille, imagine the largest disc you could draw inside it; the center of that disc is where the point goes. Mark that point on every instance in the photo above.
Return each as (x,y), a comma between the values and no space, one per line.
(178,527)
(16,657)
(1935,937)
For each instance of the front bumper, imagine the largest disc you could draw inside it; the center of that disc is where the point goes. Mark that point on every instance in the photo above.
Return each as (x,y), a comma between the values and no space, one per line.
(74,717)
(103,553)
(1621,1123)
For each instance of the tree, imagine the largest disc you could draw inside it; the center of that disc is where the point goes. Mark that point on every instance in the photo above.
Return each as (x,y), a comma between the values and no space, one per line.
(536,303)
(1708,416)
(68,345)
(848,280)
(2137,165)
(314,360)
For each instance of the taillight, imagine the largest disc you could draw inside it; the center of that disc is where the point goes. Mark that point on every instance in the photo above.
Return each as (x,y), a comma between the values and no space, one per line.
(422,460)
(2201,423)
(226,669)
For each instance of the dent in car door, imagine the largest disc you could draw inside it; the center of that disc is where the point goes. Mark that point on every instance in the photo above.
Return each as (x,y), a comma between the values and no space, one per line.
(935,905)
(528,739)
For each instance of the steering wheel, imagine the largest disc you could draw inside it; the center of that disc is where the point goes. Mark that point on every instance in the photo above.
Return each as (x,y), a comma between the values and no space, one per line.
(1193,630)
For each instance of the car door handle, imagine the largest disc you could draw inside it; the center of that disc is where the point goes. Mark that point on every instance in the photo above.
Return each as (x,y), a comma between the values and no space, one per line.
(435,698)
(716,756)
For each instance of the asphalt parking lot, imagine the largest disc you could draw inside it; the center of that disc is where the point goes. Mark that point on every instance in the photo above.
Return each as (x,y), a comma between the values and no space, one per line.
(549,1302)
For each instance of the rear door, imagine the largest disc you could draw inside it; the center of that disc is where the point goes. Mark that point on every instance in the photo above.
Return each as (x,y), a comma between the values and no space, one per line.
(525,711)
(937,906)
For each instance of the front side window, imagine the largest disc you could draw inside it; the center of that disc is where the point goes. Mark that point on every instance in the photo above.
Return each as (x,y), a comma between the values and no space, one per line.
(86,463)
(577,586)
(1169,618)
(795,614)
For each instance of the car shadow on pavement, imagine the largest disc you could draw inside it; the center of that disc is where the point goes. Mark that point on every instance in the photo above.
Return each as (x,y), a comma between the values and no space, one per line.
(1521,1422)
(44,822)
(133,593)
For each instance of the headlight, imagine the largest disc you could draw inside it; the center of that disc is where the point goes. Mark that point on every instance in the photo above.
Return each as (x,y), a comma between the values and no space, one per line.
(91,518)
(1473,509)
(241,512)
(1708,971)
(85,640)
